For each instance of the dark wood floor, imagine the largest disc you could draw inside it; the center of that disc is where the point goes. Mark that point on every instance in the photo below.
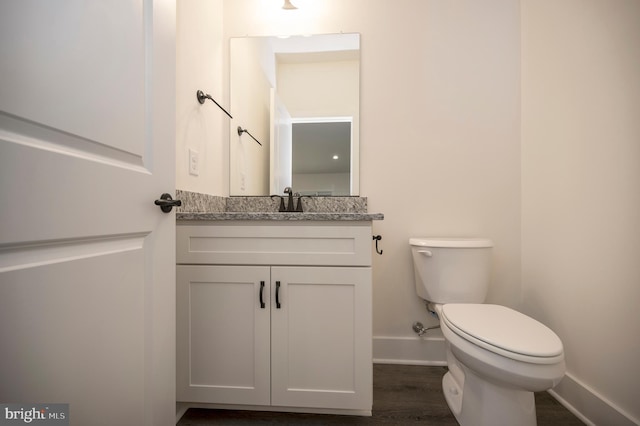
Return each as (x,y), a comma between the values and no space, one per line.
(402,395)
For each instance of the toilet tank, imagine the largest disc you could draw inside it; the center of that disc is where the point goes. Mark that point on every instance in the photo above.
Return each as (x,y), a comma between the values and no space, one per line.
(451,270)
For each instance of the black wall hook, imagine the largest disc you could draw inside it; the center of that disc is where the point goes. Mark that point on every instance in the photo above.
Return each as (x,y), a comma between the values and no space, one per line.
(376,239)
(202,97)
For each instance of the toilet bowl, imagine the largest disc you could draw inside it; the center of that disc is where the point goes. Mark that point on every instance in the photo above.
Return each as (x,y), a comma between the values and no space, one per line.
(497,357)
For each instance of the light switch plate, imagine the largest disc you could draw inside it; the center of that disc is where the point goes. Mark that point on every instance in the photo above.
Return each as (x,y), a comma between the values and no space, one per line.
(194,162)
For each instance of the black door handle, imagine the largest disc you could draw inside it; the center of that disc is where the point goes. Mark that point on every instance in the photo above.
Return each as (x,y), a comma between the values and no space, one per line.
(166,203)
(262,305)
(277,294)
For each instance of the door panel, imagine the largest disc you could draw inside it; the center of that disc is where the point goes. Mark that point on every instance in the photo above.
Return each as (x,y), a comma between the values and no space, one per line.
(64,335)
(87,112)
(223,334)
(63,68)
(321,337)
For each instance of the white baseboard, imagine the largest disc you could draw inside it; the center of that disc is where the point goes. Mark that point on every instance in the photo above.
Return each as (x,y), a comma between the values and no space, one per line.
(181,408)
(428,350)
(588,405)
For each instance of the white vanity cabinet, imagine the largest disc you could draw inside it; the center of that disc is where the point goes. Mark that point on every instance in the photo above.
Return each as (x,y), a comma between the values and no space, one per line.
(275,315)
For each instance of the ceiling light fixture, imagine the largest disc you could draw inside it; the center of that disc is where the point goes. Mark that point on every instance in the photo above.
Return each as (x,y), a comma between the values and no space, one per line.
(335,157)
(288,6)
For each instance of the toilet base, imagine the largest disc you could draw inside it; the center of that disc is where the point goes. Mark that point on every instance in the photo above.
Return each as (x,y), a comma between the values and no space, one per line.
(477,402)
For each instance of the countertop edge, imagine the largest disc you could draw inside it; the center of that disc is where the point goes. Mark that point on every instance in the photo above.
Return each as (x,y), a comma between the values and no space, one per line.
(277,216)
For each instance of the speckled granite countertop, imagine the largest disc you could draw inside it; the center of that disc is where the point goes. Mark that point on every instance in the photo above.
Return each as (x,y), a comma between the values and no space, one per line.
(203,207)
(321,216)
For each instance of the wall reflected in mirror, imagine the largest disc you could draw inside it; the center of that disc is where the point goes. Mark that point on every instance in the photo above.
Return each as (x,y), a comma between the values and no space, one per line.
(300,97)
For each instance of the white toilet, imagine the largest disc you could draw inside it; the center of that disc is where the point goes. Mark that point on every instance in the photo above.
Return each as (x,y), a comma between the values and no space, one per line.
(497,357)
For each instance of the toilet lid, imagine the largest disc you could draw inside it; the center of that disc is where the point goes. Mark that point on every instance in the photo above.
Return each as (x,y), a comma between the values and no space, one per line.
(500,327)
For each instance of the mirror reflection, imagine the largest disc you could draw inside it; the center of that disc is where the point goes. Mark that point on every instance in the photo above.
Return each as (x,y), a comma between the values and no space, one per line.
(299,96)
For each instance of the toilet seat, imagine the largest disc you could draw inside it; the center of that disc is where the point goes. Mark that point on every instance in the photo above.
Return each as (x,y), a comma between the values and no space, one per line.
(504,331)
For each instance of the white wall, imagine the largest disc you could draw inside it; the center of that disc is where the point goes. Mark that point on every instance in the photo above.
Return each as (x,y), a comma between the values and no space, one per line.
(320,89)
(250,103)
(581,194)
(439,129)
(199,47)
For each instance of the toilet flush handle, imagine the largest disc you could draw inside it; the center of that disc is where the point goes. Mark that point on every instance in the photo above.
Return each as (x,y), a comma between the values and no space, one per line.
(425,252)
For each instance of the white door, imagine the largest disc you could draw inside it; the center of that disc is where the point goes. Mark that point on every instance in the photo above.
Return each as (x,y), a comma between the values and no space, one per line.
(224,334)
(321,337)
(281,157)
(87,275)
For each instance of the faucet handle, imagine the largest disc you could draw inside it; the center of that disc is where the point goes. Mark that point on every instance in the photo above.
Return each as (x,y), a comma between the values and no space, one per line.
(299,205)
(282,208)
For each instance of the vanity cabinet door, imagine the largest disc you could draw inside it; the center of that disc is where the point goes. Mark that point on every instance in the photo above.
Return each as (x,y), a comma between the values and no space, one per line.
(223,334)
(321,337)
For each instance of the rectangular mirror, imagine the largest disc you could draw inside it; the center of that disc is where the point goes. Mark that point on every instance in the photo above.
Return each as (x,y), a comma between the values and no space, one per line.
(299,96)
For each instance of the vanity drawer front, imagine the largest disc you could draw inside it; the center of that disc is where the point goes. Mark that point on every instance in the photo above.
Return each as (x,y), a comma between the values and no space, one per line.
(274,245)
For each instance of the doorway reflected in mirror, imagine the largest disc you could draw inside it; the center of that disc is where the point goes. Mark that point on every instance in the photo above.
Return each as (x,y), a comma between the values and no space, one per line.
(303,85)
(322,156)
